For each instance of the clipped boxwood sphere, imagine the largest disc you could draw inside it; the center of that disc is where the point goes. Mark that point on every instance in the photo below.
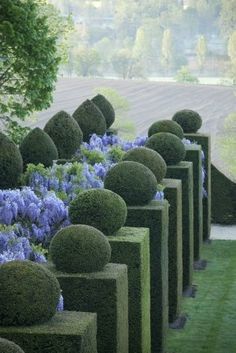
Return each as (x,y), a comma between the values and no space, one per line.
(150,159)
(9,347)
(100,208)
(11,164)
(166,126)
(65,133)
(90,119)
(190,120)
(29,293)
(170,147)
(133,181)
(38,147)
(106,108)
(80,248)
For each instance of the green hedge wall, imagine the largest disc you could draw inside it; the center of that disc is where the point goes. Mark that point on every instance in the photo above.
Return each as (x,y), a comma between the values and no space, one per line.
(184,172)
(173,194)
(155,217)
(104,293)
(205,142)
(130,246)
(194,155)
(70,332)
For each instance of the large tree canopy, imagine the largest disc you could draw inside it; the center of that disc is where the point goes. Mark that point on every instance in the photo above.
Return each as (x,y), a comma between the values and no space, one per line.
(28,58)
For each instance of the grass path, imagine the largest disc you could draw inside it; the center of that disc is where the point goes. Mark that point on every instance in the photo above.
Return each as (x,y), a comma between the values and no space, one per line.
(211,324)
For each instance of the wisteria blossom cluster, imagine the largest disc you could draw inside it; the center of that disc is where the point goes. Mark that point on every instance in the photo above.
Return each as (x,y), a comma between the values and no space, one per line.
(35,218)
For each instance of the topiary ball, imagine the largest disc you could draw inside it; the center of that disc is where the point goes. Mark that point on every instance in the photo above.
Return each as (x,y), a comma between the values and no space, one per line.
(65,133)
(29,293)
(100,208)
(106,108)
(11,163)
(38,147)
(166,126)
(9,347)
(90,119)
(134,182)
(150,159)
(189,120)
(170,147)
(80,248)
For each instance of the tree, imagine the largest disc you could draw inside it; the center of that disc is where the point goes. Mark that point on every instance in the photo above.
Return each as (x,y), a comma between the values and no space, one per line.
(228,17)
(87,61)
(232,55)
(167,49)
(28,59)
(122,62)
(201,50)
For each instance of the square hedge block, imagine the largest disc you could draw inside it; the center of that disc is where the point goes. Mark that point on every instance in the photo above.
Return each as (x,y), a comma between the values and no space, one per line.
(70,332)
(184,172)
(155,217)
(173,194)
(205,142)
(194,155)
(104,293)
(130,246)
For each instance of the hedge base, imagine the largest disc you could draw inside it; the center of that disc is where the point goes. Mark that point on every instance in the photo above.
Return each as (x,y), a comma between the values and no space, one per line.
(104,293)
(205,142)
(173,194)
(194,155)
(155,217)
(184,172)
(70,332)
(130,246)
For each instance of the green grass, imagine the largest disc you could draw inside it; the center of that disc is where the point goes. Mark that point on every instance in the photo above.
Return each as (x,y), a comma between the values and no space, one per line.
(211,324)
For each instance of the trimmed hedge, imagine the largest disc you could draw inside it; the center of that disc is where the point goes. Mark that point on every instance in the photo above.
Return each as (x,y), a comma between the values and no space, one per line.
(104,293)
(100,208)
(70,332)
(106,108)
(134,182)
(80,248)
(38,147)
(194,155)
(11,163)
(205,142)
(29,293)
(173,194)
(170,147)
(189,120)
(150,159)
(9,346)
(166,126)
(65,133)
(130,246)
(90,119)
(184,172)
(155,217)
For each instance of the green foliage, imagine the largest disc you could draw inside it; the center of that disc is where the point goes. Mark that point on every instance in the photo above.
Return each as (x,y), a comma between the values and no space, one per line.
(92,156)
(100,208)
(134,182)
(90,119)
(38,147)
(185,76)
(170,147)
(116,154)
(227,17)
(167,49)
(189,120)
(150,158)
(11,164)
(125,127)
(65,133)
(29,293)
(166,126)
(87,61)
(32,168)
(201,51)
(106,108)
(9,346)
(232,56)
(80,248)
(15,131)
(29,64)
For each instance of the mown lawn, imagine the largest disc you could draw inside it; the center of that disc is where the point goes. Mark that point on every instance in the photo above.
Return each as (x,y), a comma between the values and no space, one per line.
(211,324)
